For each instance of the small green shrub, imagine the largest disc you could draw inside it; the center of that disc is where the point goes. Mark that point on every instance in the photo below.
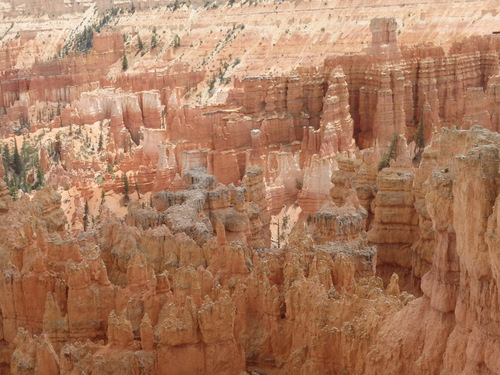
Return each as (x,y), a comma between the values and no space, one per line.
(298,184)
(390,154)
(177,41)
(419,139)
(126,188)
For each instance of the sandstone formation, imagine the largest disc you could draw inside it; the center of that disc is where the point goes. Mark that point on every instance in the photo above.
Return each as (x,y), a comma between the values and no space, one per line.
(449,327)
(394,228)
(152,123)
(249,187)
(167,299)
(172,290)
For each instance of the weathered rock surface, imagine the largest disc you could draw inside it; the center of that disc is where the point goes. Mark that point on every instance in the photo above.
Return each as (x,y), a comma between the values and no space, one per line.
(159,119)
(180,137)
(174,286)
(151,293)
(449,322)
(395,223)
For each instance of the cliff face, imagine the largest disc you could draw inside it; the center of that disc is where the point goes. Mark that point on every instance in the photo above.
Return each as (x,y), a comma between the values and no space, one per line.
(161,115)
(449,322)
(394,228)
(174,286)
(245,188)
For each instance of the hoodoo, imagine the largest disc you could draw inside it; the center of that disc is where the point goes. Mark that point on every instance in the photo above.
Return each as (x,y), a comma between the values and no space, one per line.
(249,187)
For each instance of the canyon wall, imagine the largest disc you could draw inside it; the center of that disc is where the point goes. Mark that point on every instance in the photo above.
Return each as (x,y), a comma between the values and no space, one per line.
(360,99)
(248,188)
(175,285)
(452,325)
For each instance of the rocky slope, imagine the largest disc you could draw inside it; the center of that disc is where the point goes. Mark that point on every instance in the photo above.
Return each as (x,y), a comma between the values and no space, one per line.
(248,187)
(165,292)
(187,285)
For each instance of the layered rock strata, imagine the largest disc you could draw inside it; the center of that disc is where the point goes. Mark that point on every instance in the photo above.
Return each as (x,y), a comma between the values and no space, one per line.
(293,125)
(170,292)
(450,321)
(219,128)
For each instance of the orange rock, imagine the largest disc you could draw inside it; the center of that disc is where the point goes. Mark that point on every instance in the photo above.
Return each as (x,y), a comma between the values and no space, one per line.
(445,304)
(4,196)
(221,132)
(119,331)
(394,227)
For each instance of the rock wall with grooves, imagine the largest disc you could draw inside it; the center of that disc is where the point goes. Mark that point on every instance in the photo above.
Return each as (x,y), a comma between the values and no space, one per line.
(395,223)
(459,292)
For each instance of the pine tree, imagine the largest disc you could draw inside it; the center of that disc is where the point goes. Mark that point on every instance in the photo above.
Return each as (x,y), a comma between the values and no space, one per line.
(126,188)
(25,187)
(16,163)
(177,41)
(86,216)
(390,154)
(57,147)
(39,174)
(124,62)
(14,187)
(6,155)
(140,44)
(419,139)
(137,189)
(99,147)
